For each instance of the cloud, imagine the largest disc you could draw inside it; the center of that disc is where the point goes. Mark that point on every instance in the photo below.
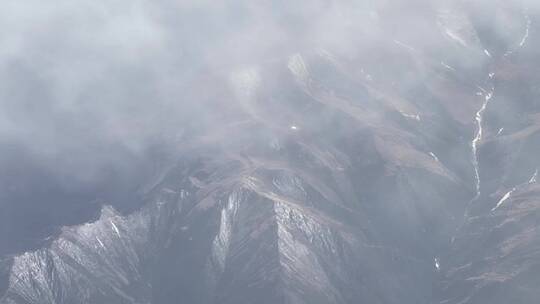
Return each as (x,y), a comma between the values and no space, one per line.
(90,87)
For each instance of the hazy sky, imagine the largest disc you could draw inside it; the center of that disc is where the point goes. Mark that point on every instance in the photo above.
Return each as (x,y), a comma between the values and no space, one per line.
(88,89)
(76,75)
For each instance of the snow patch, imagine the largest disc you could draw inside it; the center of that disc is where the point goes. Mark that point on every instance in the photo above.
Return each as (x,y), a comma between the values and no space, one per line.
(533,178)
(100,242)
(410,116)
(408,47)
(527,30)
(455,37)
(115,228)
(478,138)
(447,66)
(434,156)
(504,199)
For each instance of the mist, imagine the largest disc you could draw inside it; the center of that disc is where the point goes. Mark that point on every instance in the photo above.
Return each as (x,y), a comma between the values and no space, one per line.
(410,121)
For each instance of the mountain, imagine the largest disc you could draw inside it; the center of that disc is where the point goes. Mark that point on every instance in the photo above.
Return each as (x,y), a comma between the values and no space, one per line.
(399,167)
